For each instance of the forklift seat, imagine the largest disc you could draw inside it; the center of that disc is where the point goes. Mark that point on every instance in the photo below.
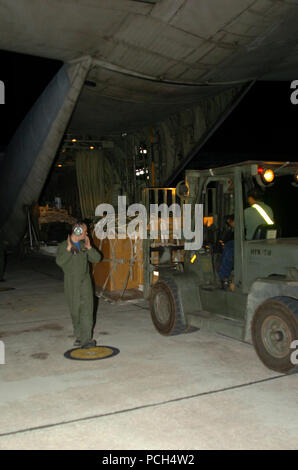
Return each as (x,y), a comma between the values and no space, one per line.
(266,232)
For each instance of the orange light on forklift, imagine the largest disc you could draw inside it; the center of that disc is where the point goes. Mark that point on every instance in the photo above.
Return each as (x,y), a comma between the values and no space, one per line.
(260,170)
(208,221)
(193,259)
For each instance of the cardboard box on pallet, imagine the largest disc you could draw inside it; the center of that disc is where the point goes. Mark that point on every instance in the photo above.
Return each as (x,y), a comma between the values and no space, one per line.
(122,259)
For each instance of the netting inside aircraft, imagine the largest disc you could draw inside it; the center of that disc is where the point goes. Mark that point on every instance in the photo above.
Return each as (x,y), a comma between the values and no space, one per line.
(95,177)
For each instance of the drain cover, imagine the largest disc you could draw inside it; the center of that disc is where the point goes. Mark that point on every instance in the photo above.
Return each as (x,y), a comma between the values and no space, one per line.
(92,354)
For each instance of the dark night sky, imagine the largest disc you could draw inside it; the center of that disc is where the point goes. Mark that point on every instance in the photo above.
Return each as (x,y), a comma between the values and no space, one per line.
(25,77)
(264,122)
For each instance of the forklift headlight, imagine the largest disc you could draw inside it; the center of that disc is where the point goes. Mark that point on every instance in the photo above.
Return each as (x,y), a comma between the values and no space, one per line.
(295,182)
(268,175)
(265,177)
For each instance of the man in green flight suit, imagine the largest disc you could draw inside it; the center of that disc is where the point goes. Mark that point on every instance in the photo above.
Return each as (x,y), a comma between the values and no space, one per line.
(73,256)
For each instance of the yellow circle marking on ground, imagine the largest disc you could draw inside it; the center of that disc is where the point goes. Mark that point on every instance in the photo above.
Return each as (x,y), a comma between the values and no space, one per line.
(92,353)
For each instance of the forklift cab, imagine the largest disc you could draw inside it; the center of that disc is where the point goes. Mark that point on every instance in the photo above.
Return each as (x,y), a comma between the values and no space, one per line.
(261,305)
(224,195)
(221,197)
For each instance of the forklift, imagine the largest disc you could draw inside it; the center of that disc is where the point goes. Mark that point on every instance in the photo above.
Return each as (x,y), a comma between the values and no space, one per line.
(260,305)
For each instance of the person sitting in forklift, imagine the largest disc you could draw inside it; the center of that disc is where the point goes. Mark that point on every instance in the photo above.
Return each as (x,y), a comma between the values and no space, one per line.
(257,214)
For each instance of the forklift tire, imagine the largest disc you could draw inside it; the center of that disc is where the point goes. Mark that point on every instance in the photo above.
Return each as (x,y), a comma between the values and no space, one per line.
(166,309)
(274,327)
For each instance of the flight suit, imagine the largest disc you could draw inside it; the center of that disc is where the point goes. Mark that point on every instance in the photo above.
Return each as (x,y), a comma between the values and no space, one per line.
(78,287)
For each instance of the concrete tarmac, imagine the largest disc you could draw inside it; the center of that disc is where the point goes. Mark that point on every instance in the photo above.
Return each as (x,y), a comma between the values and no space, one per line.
(194,391)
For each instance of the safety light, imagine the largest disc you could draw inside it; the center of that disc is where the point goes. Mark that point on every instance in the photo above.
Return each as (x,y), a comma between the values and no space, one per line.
(73,140)
(208,221)
(295,182)
(143,149)
(91,147)
(193,259)
(59,165)
(268,175)
(265,176)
